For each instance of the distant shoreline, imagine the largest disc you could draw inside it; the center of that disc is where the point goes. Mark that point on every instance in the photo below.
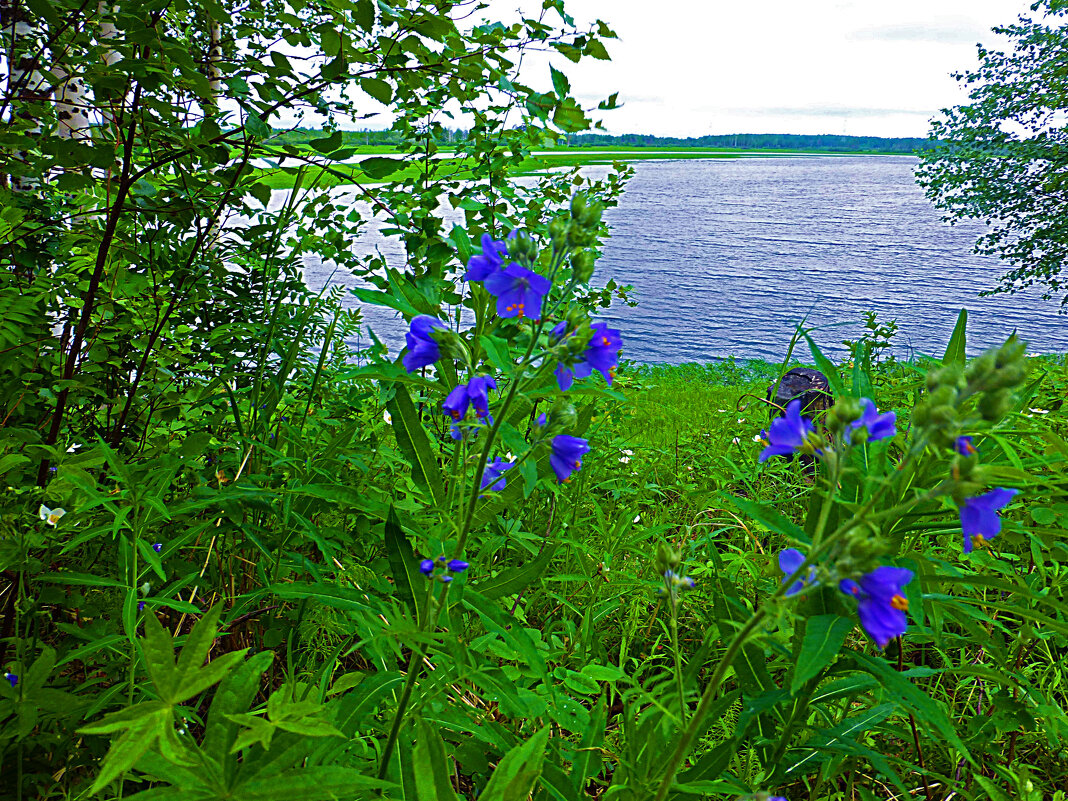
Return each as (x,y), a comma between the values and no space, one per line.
(349,173)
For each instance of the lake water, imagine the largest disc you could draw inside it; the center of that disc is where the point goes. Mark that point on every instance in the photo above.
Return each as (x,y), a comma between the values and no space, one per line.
(727,256)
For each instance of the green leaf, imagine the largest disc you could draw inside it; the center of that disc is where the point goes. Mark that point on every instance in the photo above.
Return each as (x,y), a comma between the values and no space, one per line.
(824,635)
(327,144)
(235,695)
(909,696)
(322,783)
(432,782)
(379,90)
(130,747)
(379,167)
(157,647)
(410,583)
(560,83)
(955,349)
(196,648)
(516,579)
(516,773)
(825,366)
(414,444)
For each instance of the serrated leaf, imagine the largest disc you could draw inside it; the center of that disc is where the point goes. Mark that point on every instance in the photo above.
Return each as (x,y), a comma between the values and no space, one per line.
(130,747)
(157,647)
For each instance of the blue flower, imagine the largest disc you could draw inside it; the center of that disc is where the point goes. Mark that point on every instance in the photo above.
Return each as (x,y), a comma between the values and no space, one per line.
(12,677)
(157,546)
(979,516)
(493,477)
(601,354)
(881,605)
(422,349)
(519,291)
(140,606)
(474,393)
(879,426)
(457,566)
(426,567)
(787,434)
(481,267)
(964,446)
(789,561)
(566,455)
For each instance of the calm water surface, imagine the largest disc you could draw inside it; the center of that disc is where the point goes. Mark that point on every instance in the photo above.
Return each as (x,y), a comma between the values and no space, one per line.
(727,256)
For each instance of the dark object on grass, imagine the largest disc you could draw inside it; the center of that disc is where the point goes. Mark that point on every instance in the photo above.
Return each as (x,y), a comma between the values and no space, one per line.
(810,386)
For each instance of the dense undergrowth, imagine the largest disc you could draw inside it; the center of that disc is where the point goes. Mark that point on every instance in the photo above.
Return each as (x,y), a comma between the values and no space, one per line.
(241,561)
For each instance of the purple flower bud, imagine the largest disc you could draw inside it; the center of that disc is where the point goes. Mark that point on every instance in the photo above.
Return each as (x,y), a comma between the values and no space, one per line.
(426,567)
(140,606)
(157,546)
(445,579)
(12,677)
(964,446)
(457,566)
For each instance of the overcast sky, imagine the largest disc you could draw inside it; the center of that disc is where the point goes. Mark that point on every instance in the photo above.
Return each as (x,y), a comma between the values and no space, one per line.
(859,67)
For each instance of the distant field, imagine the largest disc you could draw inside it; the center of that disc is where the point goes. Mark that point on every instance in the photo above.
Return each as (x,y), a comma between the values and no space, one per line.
(348,173)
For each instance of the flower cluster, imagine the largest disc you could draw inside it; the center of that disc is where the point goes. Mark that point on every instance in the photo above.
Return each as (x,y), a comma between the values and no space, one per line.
(795,433)
(442,568)
(519,291)
(503,269)
(475,395)
(881,606)
(979,519)
(674,584)
(601,354)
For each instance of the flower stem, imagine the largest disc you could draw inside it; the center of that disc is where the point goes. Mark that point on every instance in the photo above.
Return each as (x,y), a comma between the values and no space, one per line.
(707,697)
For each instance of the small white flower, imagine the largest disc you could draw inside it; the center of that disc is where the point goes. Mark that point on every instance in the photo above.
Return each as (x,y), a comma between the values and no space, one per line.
(51,516)
(624,460)
(74,447)
(757,438)
(388,418)
(736,441)
(741,419)
(637,518)
(1040,411)
(628,452)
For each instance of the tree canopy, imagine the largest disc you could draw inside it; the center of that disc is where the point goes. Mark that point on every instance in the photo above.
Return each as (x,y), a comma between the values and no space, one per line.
(1001,157)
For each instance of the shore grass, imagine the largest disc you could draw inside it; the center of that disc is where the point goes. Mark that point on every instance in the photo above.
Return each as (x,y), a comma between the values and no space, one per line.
(342,173)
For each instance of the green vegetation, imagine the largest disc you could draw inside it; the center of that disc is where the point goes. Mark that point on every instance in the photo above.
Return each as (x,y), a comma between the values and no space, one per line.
(243,561)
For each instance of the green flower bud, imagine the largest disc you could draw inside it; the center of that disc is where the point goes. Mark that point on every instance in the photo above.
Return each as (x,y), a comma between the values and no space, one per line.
(578,205)
(562,415)
(667,558)
(942,415)
(523,249)
(995,405)
(582,266)
(451,344)
(558,229)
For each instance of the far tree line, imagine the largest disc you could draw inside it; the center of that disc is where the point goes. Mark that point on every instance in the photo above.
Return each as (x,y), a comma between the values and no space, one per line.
(825,142)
